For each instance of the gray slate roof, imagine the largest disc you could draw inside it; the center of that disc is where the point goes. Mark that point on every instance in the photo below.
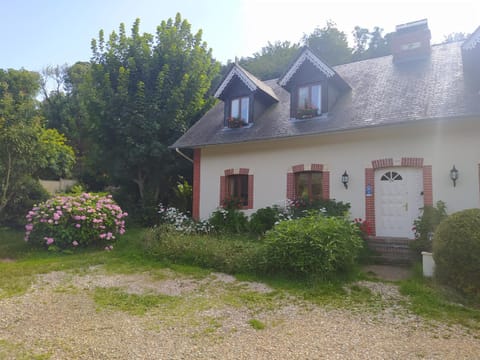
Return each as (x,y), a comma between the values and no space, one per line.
(383,93)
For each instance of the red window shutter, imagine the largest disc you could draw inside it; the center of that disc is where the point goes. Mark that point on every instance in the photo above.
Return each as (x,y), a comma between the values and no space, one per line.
(196,184)
(291,186)
(223,189)
(250,192)
(326,185)
(427,186)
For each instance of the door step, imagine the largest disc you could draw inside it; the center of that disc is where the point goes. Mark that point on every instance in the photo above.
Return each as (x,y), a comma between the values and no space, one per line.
(388,250)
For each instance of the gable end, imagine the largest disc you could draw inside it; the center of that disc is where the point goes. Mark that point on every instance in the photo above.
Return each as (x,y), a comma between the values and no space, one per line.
(306,55)
(242,76)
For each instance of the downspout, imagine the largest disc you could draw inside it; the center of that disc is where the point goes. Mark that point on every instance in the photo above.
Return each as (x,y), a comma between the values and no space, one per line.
(183,155)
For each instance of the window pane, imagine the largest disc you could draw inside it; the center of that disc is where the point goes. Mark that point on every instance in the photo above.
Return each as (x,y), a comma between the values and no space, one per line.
(316,187)
(303,101)
(243,189)
(235,111)
(245,103)
(301,185)
(238,188)
(317,98)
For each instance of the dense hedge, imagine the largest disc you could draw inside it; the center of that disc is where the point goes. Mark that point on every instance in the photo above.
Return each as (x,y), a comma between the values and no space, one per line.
(456,250)
(227,254)
(315,244)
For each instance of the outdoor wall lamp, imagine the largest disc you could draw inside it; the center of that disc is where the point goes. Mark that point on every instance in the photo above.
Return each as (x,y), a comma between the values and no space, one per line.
(345,179)
(454,175)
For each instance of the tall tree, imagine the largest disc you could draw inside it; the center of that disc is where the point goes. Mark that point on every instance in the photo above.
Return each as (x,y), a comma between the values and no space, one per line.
(330,43)
(151,89)
(26,147)
(71,106)
(369,44)
(271,61)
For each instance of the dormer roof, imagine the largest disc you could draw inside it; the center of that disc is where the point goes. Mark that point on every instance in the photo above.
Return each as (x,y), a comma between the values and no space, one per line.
(250,81)
(306,54)
(381,95)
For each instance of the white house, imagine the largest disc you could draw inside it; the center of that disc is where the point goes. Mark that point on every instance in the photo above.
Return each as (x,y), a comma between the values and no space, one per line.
(396,126)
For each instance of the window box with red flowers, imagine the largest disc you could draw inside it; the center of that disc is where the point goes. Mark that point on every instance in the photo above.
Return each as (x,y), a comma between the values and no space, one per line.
(235,123)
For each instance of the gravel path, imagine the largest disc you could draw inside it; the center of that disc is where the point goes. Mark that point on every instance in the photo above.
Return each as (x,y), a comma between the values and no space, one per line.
(59,319)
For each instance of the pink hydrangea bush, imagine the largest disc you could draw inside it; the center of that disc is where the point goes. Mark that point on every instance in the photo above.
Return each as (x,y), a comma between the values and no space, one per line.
(69,222)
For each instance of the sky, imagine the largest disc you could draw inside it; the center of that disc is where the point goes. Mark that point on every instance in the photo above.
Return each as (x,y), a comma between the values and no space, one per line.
(38,33)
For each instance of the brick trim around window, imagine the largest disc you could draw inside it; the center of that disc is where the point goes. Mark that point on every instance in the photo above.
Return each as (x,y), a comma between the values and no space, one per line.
(382,163)
(224,187)
(196,184)
(311,167)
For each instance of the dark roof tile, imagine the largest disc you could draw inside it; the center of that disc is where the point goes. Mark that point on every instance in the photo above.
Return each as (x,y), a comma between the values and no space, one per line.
(382,93)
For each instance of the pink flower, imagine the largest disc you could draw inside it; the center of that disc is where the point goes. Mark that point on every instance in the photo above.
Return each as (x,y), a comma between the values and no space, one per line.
(75,243)
(49,240)
(78,226)
(29,227)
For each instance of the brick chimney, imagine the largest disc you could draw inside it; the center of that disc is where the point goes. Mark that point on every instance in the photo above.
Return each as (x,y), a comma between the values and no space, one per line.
(411,41)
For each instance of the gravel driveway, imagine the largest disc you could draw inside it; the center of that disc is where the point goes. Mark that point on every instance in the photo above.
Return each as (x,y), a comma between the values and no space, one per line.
(209,318)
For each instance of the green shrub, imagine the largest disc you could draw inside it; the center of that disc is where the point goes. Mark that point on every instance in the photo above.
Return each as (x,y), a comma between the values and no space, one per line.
(456,250)
(264,219)
(229,221)
(315,244)
(28,194)
(329,207)
(425,226)
(68,222)
(226,254)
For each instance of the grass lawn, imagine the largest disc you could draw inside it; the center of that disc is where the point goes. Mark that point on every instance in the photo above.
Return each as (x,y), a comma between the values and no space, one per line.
(20,263)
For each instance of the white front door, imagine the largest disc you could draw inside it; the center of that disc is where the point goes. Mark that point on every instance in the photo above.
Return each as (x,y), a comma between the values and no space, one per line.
(398,199)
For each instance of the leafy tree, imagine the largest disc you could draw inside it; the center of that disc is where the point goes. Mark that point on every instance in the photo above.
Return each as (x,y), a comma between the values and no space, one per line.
(330,43)
(149,89)
(370,44)
(73,108)
(271,61)
(25,146)
(455,36)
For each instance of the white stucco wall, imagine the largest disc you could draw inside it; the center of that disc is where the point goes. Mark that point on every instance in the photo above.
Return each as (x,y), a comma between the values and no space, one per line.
(442,144)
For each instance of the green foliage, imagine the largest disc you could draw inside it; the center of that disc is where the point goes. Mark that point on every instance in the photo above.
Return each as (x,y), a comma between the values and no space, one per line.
(426,225)
(456,251)
(68,222)
(256,324)
(330,43)
(183,195)
(229,220)
(149,89)
(271,61)
(28,193)
(227,254)
(429,299)
(314,244)
(264,219)
(26,148)
(57,157)
(118,299)
(370,44)
(330,207)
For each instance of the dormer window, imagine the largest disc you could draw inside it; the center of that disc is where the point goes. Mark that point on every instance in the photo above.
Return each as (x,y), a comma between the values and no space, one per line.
(313,85)
(239,112)
(309,101)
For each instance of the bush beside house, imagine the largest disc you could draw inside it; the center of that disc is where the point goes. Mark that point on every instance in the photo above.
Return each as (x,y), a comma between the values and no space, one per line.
(456,250)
